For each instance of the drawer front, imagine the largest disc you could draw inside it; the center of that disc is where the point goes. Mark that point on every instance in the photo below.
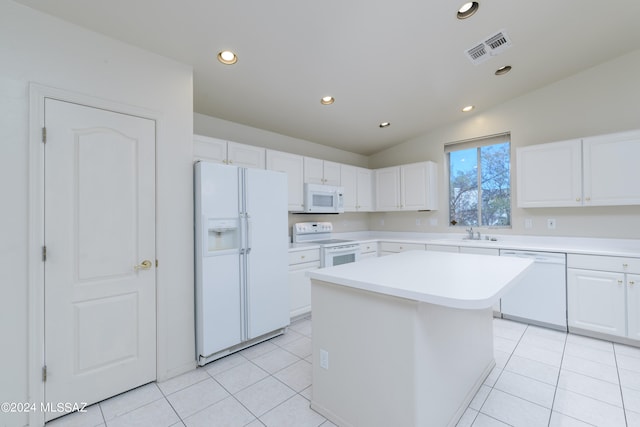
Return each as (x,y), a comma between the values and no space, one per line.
(604,263)
(401,247)
(314,265)
(366,248)
(442,248)
(297,257)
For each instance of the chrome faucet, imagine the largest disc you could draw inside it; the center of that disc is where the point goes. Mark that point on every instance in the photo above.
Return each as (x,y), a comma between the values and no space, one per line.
(471,235)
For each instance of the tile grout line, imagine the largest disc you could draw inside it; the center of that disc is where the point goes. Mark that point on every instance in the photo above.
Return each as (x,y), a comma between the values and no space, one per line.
(624,412)
(555,391)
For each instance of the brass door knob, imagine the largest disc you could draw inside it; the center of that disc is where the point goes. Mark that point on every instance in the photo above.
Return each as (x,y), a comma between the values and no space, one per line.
(144,265)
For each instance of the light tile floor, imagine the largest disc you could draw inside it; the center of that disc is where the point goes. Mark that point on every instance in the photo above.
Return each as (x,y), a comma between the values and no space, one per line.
(542,378)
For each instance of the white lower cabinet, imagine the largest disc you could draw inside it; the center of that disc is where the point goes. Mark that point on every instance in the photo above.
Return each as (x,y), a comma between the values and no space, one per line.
(388,248)
(301,262)
(443,248)
(602,294)
(368,250)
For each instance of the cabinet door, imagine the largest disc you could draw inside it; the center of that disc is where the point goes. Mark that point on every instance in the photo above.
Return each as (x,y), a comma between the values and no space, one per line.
(549,174)
(209,149)
(293,165)
(388,189)
(331,173)
(348,176)
(246,156)
(611,172)
(633,306)
(364,179)
(300,288)
(414,183)
(313,173)
(596,301)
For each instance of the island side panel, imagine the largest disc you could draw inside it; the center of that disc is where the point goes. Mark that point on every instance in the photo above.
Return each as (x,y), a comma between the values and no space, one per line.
(370,339)
(454,355)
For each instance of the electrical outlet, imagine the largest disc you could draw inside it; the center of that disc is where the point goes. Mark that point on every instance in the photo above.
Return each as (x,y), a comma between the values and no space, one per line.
(551,224)
(418,221)
(324,359)
(433,222)
(382,222)
(528,223)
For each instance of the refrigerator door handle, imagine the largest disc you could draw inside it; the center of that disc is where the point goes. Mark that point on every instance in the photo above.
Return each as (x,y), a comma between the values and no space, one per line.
(248,234)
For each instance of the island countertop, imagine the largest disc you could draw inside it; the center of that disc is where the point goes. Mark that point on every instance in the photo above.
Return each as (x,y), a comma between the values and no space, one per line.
(454,280)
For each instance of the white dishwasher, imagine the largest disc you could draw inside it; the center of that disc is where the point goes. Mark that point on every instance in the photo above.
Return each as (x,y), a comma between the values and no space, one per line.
(541,296)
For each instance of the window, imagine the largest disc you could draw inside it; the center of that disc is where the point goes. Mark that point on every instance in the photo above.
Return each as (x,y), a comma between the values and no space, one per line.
(480,182)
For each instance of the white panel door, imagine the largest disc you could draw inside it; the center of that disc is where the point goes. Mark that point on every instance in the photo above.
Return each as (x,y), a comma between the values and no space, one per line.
(611,172)
(633,306)
(413,193)
(549,174)
(246,156)
(209,149)
(349,181)
(364,179)
(293,166)
(268,258)
(596,301)
(388,189)
(100,324)
(313,171)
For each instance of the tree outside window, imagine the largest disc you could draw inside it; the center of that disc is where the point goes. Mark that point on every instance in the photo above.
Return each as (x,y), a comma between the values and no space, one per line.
(480,183)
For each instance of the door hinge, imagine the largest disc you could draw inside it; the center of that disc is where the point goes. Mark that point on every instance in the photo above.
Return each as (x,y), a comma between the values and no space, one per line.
(44,373)
(44,135)
(44,253)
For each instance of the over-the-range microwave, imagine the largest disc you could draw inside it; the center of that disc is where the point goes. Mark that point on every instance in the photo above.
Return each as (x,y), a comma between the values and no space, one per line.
(323,199)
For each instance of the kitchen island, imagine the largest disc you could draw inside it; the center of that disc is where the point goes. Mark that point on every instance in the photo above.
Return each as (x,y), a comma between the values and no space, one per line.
(405,339)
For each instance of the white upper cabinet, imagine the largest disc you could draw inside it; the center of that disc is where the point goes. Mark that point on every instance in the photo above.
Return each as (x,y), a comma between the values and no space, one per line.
(227,152)
(209,149)
(549,174)
(611,169)
(293,165)
(358,188)
(594,171)
(246,156)
(407,187)
(318,171)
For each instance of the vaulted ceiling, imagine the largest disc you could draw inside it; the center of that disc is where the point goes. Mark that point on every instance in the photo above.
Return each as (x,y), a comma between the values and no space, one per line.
(403,62)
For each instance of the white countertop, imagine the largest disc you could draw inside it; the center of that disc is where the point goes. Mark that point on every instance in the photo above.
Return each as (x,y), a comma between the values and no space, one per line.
(453,280)
(574,245)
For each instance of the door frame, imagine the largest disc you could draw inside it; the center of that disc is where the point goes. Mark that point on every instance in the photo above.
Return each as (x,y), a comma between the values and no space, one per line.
(35,273)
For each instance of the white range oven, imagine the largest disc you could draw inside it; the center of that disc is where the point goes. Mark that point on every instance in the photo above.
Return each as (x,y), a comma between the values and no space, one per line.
(332,251)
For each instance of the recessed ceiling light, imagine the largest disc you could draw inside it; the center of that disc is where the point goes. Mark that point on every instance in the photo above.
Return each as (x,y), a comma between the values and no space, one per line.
(468,108)
(327,100)
(227,57)
(467,9)
(384,124)
(503,70)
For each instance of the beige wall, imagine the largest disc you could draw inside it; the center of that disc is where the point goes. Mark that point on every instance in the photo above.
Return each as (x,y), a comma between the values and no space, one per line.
(599,100)
(38,48)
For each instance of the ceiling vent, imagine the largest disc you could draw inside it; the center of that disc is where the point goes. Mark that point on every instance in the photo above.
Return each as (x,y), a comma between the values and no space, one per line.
(491,46)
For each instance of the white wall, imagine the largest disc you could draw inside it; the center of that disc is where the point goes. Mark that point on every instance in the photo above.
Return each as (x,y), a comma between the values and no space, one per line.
(599,100)
(37,48)
(231,131)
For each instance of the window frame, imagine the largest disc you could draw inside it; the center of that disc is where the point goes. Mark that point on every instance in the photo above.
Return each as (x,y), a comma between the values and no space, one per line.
(478,144)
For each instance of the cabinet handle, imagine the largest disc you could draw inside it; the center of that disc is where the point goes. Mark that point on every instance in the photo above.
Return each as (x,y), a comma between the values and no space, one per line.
(619,282)
(625,265)
(588,199)
(631,282)
(577,199)
(301,256)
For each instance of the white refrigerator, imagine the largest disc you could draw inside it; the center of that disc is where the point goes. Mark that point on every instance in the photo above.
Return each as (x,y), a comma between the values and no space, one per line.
(241,258)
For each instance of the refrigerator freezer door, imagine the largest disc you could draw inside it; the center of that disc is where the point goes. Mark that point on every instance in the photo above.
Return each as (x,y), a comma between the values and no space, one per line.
(267,239)
(217,278)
